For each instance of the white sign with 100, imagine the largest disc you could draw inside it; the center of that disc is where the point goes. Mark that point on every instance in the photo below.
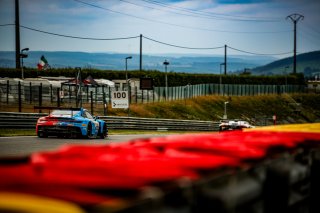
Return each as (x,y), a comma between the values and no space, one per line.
(119,99)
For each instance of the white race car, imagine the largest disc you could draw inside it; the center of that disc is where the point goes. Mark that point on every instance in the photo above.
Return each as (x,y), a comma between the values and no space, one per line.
(226,125)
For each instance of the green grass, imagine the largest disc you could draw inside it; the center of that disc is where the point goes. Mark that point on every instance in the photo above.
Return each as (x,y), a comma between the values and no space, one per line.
(258,110)
(16,132)
(211,108)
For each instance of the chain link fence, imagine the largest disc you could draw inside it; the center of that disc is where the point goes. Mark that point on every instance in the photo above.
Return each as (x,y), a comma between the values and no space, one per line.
(17,92)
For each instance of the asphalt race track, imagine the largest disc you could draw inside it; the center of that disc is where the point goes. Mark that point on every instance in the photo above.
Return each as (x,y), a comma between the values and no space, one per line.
(25,145)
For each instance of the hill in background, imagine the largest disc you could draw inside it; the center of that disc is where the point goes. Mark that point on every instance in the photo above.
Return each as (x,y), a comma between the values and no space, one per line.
(307,63)
(188,63)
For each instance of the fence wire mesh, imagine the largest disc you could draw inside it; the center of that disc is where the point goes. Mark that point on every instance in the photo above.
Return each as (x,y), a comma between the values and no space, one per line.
(18,92)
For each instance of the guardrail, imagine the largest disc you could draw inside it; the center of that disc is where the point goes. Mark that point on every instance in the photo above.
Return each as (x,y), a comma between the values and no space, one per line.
(10,120)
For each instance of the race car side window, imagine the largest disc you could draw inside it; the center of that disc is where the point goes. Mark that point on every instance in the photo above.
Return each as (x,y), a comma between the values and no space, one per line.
(88,115)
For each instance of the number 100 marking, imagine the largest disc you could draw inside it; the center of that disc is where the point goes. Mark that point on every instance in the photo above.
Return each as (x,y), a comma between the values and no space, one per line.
(119,95)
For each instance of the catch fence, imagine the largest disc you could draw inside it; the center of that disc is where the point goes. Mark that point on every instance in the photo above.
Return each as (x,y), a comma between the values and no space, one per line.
(16,92)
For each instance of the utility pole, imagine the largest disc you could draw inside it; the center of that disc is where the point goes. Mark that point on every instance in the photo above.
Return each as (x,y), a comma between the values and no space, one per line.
(140,52)
(78,84)
(295,18)
(129,57)
(225,59)
(220,80)
(17,26)
(166,63)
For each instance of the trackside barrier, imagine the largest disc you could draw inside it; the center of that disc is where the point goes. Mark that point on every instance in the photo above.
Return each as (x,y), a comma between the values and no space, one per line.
(263,170)
(9,120)
(40,91)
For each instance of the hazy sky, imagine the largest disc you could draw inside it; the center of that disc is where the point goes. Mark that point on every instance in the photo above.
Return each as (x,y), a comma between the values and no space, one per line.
(254,26)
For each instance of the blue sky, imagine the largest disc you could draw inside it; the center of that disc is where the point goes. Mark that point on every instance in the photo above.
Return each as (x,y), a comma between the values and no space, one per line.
(254,26)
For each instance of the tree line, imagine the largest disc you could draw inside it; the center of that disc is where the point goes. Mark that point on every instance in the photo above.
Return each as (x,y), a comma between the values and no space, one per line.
(174,78)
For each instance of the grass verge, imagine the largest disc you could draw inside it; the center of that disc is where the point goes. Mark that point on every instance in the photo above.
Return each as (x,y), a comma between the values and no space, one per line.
(16,132)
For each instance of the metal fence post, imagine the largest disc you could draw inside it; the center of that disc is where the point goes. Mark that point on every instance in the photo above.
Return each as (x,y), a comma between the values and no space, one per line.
(103,90)
(142,95)
(129,93)
(87,93)
(30,92)
(58,97)
(176,91)
(136,91)
(51,95)
(159,95)
(8,91)
(104,102)
(69,93)
(109,93)
(19,96)
(152,95)
(40,94)
(91,97)
(96,94)
(77,99)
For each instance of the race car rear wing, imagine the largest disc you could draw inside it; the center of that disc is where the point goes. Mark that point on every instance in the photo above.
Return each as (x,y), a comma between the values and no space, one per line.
(50,108)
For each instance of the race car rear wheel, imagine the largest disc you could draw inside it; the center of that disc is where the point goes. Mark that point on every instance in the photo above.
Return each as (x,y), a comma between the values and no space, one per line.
(42,135)
(89,130)
(104,132)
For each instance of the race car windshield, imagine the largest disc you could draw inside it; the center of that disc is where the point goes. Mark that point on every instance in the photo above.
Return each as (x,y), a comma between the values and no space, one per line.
(64,112)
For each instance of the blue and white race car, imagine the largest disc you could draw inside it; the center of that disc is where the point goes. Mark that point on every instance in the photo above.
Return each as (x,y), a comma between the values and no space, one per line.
(71,122)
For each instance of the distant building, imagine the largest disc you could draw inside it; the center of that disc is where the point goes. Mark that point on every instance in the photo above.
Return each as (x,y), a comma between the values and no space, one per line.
(314,85)
(121,84)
